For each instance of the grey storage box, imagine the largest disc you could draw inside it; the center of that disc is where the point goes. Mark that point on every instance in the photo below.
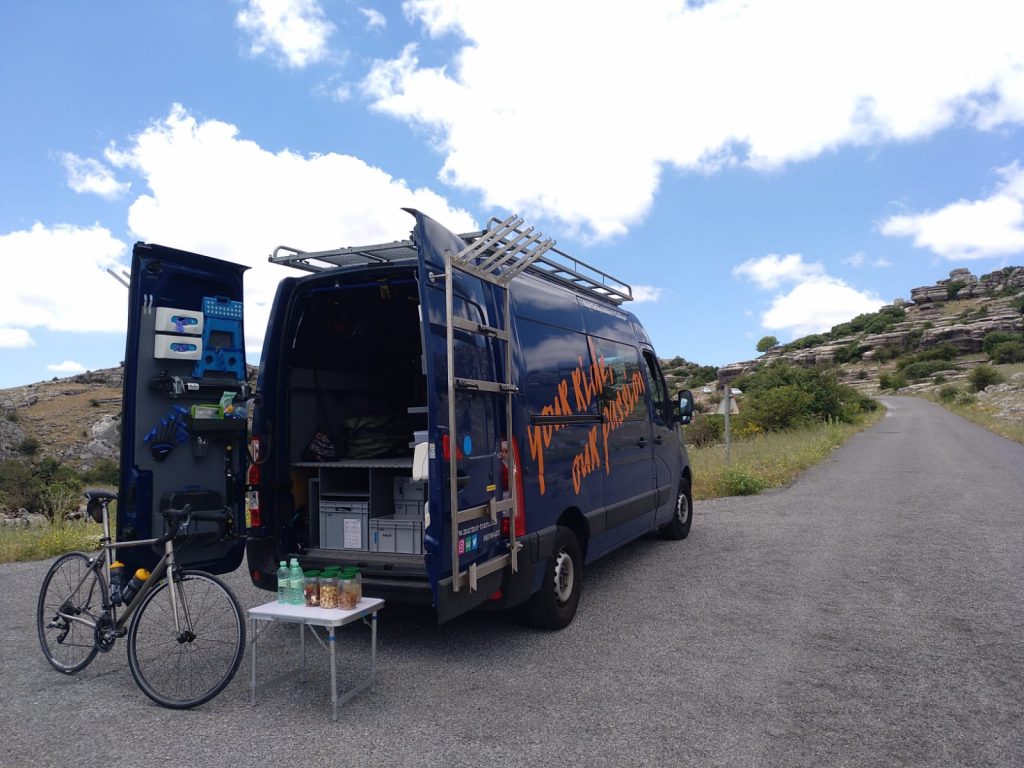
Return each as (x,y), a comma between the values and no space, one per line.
(344,523)
(407,489)
(409,509)
(399,535)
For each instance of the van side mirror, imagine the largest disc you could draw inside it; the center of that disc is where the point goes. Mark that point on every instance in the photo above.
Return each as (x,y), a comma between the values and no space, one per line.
(684,407)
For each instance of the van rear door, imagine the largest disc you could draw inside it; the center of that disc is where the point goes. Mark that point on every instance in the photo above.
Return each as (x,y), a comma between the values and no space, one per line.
(480,420)
(184,402)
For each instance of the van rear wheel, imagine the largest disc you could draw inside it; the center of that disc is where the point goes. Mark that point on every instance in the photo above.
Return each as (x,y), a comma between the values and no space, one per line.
(554,606)
(679,526)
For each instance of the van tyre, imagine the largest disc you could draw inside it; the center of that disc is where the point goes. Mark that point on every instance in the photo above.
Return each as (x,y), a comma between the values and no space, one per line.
(554,606)
(682,518)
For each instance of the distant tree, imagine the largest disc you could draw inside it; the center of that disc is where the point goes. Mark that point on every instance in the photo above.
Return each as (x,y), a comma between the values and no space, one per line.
(766,343)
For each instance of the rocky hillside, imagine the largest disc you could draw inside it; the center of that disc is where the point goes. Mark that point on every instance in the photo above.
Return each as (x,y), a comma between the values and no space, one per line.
(75,419)
(957,312)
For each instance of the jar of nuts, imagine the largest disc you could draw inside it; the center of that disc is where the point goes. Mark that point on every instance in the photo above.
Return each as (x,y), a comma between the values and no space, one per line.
(347,597)
(329,589)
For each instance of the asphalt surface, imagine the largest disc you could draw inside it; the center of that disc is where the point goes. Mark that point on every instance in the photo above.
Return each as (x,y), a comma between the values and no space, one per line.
(871,614)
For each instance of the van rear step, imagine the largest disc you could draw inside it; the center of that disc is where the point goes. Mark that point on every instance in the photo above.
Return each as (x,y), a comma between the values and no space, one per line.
(371,563)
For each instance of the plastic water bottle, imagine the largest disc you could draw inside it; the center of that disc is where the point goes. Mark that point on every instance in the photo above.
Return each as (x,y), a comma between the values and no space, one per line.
(295,576)
(282,583)
(116,581)
(133,586)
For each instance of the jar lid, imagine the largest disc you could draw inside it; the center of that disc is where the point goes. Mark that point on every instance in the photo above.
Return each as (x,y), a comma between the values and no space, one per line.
(311,574)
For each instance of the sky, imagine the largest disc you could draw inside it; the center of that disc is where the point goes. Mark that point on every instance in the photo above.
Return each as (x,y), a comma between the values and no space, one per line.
(750,167)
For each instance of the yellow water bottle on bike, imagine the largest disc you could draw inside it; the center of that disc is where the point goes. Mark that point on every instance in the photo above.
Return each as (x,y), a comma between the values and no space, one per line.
(133,586)
(116,582)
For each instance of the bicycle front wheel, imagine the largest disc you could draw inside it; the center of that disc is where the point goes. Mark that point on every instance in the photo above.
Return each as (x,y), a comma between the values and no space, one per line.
(71,590)
(185,660)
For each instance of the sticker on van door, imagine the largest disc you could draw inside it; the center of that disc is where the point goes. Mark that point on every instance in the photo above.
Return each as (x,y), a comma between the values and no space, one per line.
(614,380)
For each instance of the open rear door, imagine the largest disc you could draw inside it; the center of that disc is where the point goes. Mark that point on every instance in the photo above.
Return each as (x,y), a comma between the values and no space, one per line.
(183,431)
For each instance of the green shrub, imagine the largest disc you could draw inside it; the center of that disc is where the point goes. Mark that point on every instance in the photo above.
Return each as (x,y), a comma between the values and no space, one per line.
(995,338)
(741,481)
(965,398)
(1008,352)
(983,376)
(941,352)
(766,343)
(29,446)
(939,379)
(705,430)
(948,393)
(924,369)
(1018,304)
(891,381)
(953,288)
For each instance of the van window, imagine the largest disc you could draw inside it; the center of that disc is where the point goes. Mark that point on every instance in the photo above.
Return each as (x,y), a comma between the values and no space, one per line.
(659,391)
(622,364)
(559,375)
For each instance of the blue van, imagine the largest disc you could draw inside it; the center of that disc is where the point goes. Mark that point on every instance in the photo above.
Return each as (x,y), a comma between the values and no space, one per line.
(468,419)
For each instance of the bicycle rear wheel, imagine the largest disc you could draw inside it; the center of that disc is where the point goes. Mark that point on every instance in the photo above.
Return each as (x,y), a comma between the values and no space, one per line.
(184,664)
(71,588)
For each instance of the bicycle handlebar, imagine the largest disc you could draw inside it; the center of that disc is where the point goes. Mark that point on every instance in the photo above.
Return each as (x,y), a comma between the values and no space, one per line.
(174,518)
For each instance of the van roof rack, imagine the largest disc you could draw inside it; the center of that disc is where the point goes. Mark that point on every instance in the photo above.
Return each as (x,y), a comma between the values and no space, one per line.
(555,265)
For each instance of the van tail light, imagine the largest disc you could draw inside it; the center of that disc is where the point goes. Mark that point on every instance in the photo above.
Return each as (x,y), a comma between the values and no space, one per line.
(253,516)
(512,458)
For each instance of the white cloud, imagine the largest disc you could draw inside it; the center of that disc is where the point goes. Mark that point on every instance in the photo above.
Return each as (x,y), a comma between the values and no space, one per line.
(881,263)
(68,366)
(815,302)
(690,86)
(55,278)
(816,305)
(374,18)
(252,200)
(772,270)
(646,293)
(295,32)
(971,229)
(86,175)
(15,338)
(856,260)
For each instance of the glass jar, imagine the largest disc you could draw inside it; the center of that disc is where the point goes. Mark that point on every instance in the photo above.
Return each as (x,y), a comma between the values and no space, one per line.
(329,589)
(311,588)
(356,577)
(347,597)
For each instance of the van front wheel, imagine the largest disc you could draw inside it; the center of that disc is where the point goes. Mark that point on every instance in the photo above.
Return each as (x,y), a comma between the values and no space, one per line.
(679,526)
(554,606)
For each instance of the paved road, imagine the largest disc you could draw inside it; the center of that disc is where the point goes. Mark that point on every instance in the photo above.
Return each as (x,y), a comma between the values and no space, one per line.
(872,614)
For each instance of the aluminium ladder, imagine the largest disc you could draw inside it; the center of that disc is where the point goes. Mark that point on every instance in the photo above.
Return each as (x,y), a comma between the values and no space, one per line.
(496,257)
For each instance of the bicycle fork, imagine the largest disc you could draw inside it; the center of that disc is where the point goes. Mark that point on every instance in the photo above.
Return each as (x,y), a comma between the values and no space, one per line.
(182,635)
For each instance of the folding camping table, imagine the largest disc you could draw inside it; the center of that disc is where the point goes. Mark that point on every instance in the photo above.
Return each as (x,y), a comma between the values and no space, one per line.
(306,617)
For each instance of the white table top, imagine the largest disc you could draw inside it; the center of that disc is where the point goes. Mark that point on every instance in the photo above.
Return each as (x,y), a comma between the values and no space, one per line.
(323,617)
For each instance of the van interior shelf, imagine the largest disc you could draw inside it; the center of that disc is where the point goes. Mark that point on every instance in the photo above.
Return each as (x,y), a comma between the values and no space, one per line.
(398,462)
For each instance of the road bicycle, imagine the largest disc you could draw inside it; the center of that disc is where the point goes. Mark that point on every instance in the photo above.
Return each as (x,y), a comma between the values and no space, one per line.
(185,628)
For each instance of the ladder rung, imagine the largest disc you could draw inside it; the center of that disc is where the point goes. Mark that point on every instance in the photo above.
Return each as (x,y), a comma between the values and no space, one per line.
(485,510)
(477,571)
(480,385)
(473,327)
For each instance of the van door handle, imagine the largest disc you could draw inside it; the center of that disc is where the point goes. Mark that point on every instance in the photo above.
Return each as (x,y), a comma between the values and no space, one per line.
(641,441)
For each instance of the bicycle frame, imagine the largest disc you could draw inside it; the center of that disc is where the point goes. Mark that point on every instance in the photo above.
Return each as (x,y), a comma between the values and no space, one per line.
(165,565)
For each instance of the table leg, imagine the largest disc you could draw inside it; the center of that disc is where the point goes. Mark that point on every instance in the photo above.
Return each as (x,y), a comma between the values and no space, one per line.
(334,679)
(252,687)
(302,646)
(373,648)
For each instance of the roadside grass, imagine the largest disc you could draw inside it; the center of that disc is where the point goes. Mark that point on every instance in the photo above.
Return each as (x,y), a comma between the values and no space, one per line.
(770,460)
(985,414)
(51,540)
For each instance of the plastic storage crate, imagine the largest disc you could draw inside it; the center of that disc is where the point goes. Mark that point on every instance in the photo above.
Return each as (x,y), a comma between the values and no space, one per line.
(396,534)
(344,523)
(407,489)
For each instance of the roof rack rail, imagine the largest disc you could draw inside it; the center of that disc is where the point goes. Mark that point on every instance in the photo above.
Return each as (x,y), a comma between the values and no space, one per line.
(499,236)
